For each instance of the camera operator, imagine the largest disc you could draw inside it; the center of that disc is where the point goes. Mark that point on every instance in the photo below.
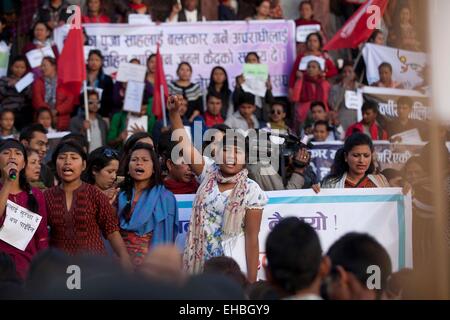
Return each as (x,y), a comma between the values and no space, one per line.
(299,174)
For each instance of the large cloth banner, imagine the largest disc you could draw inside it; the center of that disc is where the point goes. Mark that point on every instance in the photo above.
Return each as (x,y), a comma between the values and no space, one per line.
(384,213)
(387,155)
(204,45)
(387,102)
(406,65)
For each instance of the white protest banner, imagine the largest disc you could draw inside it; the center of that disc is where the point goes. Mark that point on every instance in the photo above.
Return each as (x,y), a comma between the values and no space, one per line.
(133,96)
(19,226)
(203,44)
(307,59)
(304,31)
(24,82)
(384,213)
(137,19)
(387,102)
(57,134)
(255,76)
(135,123)
(4,58)
(35,56)
(409,137)
(406,65)
(131,72)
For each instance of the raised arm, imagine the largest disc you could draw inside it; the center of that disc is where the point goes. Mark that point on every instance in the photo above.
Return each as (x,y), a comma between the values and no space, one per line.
(190,154)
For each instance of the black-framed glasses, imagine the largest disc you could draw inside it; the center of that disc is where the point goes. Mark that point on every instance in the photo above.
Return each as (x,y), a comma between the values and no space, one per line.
(275,112)
(110,153)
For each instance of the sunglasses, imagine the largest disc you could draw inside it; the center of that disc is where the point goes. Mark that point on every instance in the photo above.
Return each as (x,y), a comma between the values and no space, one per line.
(110,153)
(276,112)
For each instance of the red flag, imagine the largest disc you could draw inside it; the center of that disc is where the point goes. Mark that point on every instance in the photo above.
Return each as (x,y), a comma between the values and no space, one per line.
(71,65)
(359,27)
(160,79)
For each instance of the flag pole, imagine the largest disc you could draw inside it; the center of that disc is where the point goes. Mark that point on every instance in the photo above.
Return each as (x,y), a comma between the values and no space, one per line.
(86,110)
(163,105)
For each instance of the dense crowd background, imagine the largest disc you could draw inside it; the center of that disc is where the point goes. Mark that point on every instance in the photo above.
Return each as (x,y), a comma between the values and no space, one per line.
(114,195)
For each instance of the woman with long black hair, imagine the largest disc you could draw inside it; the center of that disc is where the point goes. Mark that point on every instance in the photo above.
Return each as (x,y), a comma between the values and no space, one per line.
(13,159)
(218,85)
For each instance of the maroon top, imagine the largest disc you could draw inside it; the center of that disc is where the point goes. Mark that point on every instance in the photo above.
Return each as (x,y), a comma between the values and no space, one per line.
(39,241)
(80,229)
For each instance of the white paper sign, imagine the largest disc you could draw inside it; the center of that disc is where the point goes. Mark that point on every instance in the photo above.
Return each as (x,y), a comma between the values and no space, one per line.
(255,86)
(255,76)
(304,31)
(133,96)
(130,71)
(24,82)
(409,137)
(135,18)
(353,100)
(139,122)
(57,134)
(306,59)
(35,56)
(20,225)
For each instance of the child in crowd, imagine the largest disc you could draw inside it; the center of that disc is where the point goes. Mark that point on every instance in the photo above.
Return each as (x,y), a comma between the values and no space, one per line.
(7,129)
(213,114)
(385,74)
(45,118)
(321,132)
(368,124)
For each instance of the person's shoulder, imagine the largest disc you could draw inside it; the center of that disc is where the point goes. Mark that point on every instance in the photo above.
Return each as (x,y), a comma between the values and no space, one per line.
(51,191)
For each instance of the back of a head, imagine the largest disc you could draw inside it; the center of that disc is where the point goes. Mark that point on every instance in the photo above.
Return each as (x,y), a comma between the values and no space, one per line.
(226,266)
(293,254)
(356,252)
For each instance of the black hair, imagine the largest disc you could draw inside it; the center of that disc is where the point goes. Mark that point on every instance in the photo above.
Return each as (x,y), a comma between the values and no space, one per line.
(225,87)
(27,133)
(49,29)
(226,266)
(374,35)
(7,269)
(150,57)
(97,160)
(245,98)
(370,105)
(340,166)
(280,103)
(385,65)
(318,103)
(306,2)
(293,254)
(129,144)
(252,53)
(259,2)
(18,59)
(24,185)
(51,60)
(135,60)
(72,145)
(317,34)
(322,123)
(184,63)
(93,92)
(97,53)
(128,183)
(213,94)
(355,252)
(78,138)
(5,110)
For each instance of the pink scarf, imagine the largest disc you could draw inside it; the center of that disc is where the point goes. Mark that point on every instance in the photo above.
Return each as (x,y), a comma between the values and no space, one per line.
(193,258)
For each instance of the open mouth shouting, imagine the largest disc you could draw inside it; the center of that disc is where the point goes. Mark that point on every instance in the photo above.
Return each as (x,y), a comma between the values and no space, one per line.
(67,171)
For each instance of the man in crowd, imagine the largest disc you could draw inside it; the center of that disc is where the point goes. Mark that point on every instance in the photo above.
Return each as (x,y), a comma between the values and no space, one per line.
(369,124)
(244,118)
(213,116)
(35,137)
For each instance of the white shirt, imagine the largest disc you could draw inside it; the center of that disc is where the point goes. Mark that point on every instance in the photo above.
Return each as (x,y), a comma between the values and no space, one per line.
(191,16)
(96,136)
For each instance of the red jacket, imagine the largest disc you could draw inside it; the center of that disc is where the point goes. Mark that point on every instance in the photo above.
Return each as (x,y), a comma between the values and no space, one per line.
(330,69)
(211,120)
(376,132)
(64,103)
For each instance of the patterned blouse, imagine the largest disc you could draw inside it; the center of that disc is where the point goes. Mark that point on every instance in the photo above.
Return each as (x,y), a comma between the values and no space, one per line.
(216,201)
(80,228)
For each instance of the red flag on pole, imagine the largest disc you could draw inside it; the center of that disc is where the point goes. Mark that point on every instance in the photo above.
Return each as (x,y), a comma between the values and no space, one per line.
(359,27)
(71,65)
(160,80)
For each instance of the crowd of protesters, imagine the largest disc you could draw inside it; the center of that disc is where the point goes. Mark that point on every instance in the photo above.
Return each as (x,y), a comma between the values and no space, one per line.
(108,205)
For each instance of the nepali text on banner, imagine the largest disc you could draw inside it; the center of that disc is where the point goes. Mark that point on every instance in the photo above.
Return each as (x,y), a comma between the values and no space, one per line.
(384,213)
(204,45)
